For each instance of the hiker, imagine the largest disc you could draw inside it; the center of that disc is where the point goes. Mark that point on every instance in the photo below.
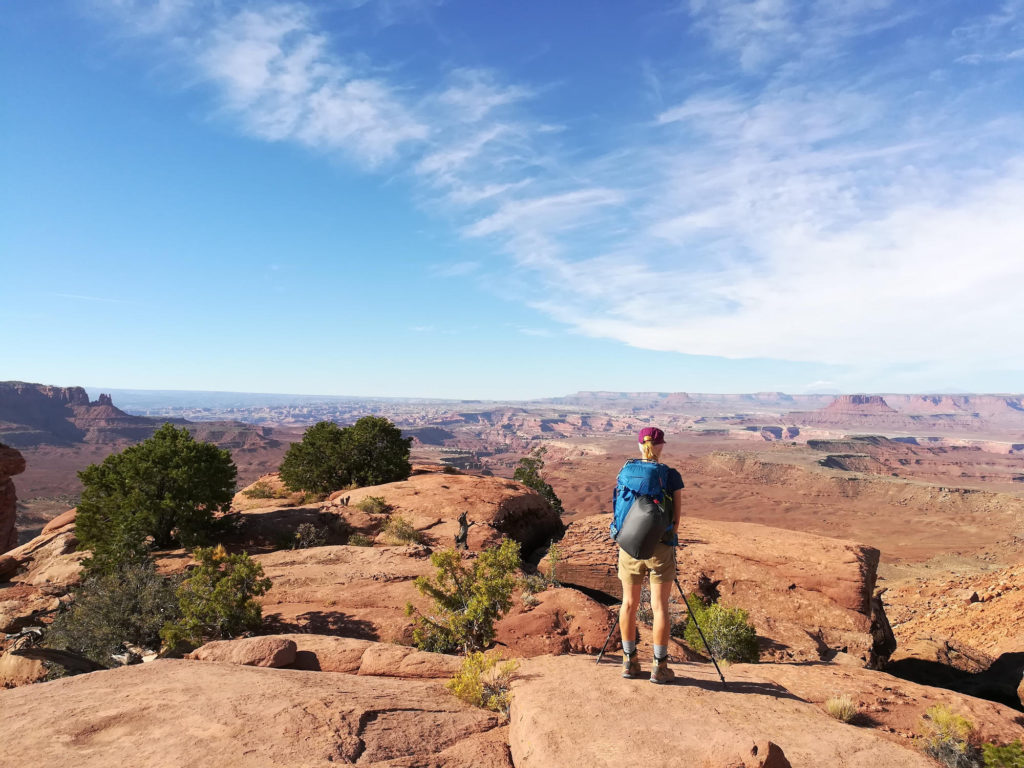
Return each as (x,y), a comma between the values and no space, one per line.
(462,536)
(647,479)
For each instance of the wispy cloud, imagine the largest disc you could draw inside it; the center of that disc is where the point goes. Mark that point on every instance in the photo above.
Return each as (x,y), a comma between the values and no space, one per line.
(823,206)
(278,77)
(769,33)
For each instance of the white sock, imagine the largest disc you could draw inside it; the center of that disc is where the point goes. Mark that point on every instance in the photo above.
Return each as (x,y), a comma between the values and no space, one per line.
(660,652)
(628,647)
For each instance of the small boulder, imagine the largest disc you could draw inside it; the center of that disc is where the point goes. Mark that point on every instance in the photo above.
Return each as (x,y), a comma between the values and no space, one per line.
(249,652)
(18,670)
(555,621)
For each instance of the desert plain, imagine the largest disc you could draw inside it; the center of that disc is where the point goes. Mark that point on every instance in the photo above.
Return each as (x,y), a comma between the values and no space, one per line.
(876,540)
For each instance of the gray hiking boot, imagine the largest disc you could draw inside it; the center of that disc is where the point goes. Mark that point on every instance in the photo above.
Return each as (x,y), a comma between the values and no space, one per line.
(660,672)
(630,665)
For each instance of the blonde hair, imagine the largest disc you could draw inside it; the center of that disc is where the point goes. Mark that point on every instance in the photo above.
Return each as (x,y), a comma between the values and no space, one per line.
(648,450)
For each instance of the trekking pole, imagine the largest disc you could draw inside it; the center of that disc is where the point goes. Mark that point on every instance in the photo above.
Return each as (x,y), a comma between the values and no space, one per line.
(607,639)
(701,633)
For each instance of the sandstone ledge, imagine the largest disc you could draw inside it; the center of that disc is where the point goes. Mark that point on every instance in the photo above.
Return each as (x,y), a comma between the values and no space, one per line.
(173,713)
(808,596)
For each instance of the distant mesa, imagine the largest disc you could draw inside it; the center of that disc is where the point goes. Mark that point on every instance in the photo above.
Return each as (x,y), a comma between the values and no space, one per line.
(34,414)
(859,404)
(916,413)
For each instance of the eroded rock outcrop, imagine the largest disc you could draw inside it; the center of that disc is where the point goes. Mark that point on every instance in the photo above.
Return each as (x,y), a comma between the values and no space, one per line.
(494,507)
(11,463)
(172,713)
(34,576)
(808,596)
(361,593)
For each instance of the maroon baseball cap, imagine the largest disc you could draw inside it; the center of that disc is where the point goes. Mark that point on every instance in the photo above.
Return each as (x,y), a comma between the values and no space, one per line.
(656,435)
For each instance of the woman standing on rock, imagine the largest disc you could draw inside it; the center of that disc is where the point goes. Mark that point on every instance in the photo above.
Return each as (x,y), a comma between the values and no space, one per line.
(648,477)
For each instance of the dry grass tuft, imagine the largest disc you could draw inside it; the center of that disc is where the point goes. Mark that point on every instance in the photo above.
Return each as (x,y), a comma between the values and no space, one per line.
(841,708)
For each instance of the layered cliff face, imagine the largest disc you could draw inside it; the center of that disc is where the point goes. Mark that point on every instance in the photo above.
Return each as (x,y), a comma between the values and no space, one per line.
(918,414)
(11,463)
(34,414)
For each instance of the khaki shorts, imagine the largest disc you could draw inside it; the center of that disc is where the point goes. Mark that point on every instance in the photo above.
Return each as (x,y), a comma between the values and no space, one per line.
(661,565)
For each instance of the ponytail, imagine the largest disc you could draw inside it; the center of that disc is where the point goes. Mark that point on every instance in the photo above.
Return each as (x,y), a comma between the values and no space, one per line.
(648,450)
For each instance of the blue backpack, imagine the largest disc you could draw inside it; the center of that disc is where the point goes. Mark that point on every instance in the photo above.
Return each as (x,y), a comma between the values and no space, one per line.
(642,487)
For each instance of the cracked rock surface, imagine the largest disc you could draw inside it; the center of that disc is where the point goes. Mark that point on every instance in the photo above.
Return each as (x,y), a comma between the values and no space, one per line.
(174,713)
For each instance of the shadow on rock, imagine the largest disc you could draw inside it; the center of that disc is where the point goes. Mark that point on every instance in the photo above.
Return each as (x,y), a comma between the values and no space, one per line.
(322,623)
(773,690)
(997,683)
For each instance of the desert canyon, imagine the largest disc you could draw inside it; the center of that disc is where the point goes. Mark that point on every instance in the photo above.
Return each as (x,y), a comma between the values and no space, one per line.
(877,542)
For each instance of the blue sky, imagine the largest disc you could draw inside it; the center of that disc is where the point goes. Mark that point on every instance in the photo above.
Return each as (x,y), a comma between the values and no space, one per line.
(509,200)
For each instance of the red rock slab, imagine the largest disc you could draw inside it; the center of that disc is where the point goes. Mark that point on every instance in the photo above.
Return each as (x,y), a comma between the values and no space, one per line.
(348,591)
(805,593)
(173,713)
(494,507)
(568,711)
(891,704)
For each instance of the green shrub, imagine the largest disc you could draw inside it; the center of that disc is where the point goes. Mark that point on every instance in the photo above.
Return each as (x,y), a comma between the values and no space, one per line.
(360,540)
(217,599)
(554,557)
(374,505)
(168,487)
(308,535)
(949,738)
(261,489)
(841,708)
(534,583)
(728,632)
(468,598)
(397,530)
(1007,756)
(110,610)
(485,682)
(370,452)
(528,473)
